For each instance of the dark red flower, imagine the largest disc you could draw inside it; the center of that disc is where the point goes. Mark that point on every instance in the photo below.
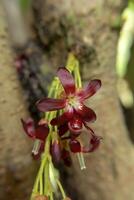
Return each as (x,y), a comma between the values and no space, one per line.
(38,132)
(74,144)
(72,133)
(75,112)
(74,123)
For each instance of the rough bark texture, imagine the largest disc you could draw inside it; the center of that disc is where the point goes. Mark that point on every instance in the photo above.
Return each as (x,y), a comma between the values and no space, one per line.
(83,27)
(16,167)
(86,29)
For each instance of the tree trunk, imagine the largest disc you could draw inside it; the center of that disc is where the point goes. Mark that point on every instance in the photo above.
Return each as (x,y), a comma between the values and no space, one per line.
(84,27)
(16,168)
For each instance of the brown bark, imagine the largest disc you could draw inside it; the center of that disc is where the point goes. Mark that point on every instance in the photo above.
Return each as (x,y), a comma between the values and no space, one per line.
(85,27)
(16,167)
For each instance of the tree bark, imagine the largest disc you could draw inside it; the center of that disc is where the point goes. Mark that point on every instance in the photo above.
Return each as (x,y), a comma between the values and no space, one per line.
(16,167)
(83,27)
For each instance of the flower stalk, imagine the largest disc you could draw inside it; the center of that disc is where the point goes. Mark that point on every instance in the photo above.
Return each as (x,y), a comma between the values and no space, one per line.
(58,133)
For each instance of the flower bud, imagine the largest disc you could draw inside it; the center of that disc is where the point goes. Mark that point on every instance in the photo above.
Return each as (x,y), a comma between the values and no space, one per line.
(56,151)
(41,197)
(75,146)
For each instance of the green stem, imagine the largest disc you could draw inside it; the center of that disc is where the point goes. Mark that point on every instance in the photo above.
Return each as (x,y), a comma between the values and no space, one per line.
(46,178)
(77,76)
(37,182)
(61,189)
(41,185)
(51,196)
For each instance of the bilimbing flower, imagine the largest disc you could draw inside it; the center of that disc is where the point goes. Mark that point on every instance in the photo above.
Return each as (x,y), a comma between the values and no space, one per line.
(72,101)
(37,132)
(58,134)
(94,141)
(74,144)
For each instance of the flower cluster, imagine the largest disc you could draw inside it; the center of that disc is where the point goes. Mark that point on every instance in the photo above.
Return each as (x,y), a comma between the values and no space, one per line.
(59,133)
(74,117)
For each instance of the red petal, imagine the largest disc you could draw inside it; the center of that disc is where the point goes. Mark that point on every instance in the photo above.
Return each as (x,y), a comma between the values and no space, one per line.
(67,80)
(42,131)
(63,129)
(95,142)
(87,114)
(90,89)
(75,146)
(59,120)
(93,145)
(48,104)
(29,127)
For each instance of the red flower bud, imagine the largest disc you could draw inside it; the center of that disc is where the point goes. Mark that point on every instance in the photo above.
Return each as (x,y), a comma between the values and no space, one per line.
(56,151)
(75,146)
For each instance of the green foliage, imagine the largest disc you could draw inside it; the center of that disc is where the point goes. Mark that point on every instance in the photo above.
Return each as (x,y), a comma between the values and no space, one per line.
(24,4)
(125,40)
(124,56)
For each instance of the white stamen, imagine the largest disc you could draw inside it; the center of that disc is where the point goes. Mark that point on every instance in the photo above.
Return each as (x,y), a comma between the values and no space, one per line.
(36,147)
(81,161)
